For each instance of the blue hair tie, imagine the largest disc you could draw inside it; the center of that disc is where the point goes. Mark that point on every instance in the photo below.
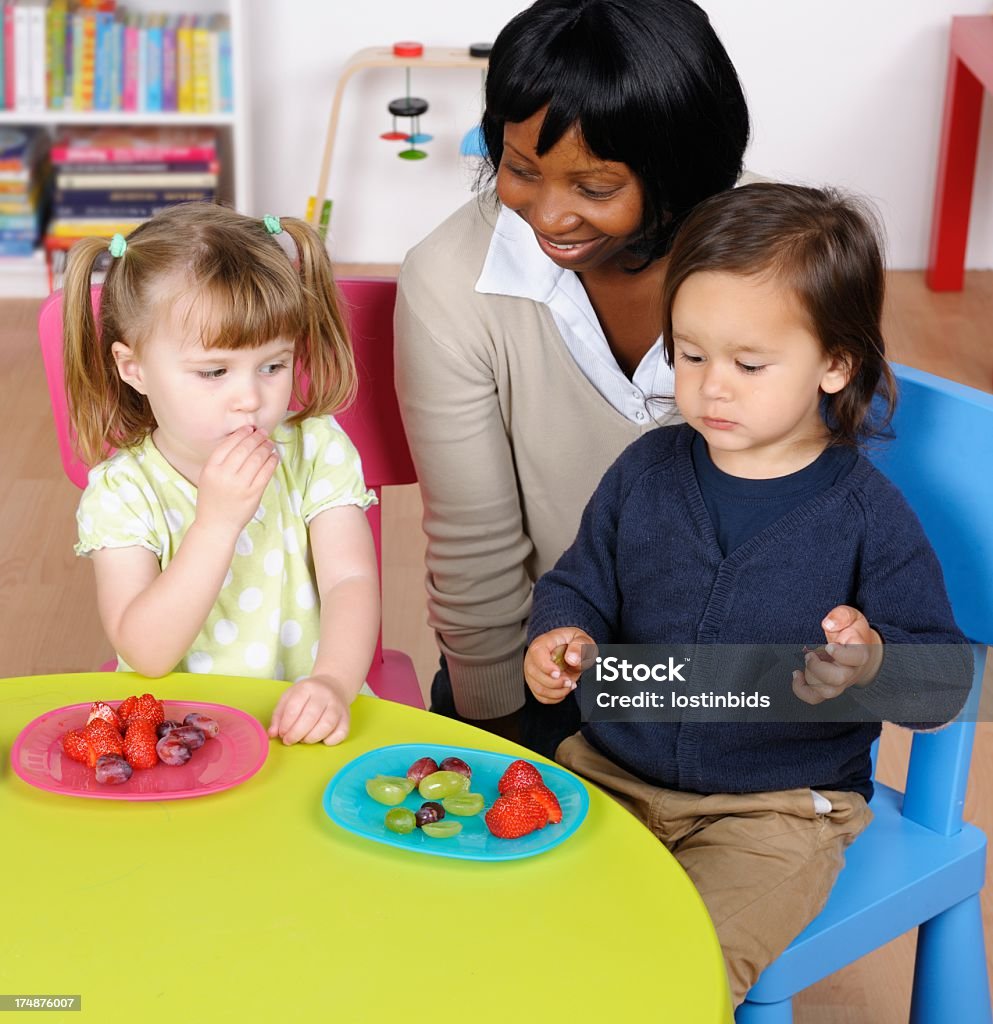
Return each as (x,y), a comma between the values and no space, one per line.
(118,246)
(272,224)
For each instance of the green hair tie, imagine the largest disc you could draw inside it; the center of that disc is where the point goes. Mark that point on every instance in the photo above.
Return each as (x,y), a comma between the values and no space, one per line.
(118,246)
(272,224)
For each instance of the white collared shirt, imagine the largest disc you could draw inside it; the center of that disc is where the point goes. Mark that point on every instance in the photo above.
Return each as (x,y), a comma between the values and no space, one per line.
(516,266)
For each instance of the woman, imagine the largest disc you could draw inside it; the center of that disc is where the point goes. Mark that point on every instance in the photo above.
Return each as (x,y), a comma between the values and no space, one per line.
(528,324)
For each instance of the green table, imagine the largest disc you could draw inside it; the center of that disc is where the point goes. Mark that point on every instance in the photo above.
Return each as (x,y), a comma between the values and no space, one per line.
(252,905)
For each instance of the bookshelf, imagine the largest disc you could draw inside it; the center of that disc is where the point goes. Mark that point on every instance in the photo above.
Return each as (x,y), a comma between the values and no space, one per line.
(28,277)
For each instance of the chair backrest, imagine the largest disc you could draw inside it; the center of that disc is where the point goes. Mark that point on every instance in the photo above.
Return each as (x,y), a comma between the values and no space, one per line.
(942,461)
(372,421)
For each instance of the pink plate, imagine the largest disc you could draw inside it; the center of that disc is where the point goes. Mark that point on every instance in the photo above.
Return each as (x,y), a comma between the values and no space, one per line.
(236,754)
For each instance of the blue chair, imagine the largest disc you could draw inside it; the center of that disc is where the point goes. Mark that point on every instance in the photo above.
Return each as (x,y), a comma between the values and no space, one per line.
(918,865)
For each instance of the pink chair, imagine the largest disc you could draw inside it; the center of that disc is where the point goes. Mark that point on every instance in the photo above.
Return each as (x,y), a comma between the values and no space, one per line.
(372,422)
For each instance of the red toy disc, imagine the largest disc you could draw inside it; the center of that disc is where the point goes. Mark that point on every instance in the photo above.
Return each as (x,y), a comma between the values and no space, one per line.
(408,48)
(394,136)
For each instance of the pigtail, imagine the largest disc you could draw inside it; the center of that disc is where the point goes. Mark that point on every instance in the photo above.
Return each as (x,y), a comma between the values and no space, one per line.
(91,381)
(325,354)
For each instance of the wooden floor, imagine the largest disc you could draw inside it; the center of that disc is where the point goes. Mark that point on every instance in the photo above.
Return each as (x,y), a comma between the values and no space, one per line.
(49,623)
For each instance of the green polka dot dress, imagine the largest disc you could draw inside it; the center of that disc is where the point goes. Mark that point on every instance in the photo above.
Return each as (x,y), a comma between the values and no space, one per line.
(266,621)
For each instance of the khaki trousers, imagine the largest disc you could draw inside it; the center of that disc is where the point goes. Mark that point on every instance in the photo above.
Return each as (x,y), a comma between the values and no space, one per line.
(764,863)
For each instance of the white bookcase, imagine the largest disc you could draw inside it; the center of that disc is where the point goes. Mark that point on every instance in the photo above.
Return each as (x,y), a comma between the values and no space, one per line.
(28,277)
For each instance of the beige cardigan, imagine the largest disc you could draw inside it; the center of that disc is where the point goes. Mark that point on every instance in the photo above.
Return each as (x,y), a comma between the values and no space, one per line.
(509,440)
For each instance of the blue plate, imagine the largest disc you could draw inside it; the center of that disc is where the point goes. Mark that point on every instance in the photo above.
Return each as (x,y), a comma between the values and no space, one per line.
(347,804)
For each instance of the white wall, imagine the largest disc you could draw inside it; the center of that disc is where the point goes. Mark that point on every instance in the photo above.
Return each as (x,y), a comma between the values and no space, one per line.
(848,92)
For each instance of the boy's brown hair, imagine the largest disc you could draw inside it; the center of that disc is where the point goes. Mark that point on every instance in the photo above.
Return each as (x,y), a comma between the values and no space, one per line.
(246,290)
(827,249)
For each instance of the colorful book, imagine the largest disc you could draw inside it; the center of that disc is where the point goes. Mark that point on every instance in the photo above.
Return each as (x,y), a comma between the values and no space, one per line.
(169,98)
(126,144)
(153,89)
(36,55)
(64,178)
(103,57)
(10,60)
(184,64)
(129,84)
(55,84)
(85,227)
(201,66)
(22,58)
(84,59)
(116,63)
(225,76)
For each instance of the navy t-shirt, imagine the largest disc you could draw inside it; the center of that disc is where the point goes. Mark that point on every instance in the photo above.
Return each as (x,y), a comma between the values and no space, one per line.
(741,508)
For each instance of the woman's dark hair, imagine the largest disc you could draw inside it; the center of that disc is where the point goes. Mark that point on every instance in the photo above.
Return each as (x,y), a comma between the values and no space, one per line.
(827,249)
(647,81)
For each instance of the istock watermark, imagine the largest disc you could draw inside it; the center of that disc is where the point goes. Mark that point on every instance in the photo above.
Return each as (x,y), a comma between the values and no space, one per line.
(920,685)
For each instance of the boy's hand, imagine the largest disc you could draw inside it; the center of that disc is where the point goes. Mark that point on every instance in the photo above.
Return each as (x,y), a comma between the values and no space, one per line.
(852,657)
(233,478)
(312,710)
(554,662)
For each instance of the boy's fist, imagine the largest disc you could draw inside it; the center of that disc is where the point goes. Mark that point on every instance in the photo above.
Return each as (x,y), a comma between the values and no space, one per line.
(852,657)
(555,660)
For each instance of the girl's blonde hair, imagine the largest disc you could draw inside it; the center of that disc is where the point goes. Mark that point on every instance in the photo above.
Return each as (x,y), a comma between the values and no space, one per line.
(246,289)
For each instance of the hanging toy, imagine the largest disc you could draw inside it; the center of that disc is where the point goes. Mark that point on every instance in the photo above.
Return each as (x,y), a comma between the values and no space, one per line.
(408,106)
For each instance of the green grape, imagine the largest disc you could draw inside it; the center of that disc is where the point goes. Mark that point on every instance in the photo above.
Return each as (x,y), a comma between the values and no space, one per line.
(401,820)
(438,785)
(464,805)
(386,789)
(558,656)
(441,829)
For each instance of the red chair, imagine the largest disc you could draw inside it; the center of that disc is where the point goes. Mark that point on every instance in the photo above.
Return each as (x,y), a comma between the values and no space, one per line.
(372,422)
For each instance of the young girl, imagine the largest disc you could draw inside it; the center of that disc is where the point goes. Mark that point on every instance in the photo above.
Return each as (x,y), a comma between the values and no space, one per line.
(226,536)
(756,522)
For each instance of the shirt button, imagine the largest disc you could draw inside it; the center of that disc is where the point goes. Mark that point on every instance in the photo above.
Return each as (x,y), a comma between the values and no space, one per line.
(639,415)
(636,394)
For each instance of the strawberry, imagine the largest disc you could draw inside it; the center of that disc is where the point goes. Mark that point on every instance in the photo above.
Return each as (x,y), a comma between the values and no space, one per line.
(516,815)
(145,706)
(101,738)
(547,799)
(100,710)
(75,746)
(519,775)
(139,744)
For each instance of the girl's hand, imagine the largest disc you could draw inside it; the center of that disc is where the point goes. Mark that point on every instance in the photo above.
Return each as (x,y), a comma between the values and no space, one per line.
(232,480)
(852,657)
(312,710)
(554,663)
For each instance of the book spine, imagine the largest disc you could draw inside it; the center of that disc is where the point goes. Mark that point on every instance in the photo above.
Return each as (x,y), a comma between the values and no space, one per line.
(155,65)
(87,68)
(78,197)
(68,153)
(102,60)
(36,35)
(201,67)
(129,96)
(56,77)
(10,61)
(225,83)
(116,63)
(169,64)
(148,167)
(68,180)
(184,65)
(3,57)
(142,88)
(118,211)
(68,59)
(22,60)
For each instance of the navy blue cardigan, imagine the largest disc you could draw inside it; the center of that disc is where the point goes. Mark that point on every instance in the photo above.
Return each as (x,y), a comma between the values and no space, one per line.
(646,568)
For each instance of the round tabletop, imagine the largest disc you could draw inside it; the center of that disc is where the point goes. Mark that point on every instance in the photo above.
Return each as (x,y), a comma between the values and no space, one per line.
(252,905)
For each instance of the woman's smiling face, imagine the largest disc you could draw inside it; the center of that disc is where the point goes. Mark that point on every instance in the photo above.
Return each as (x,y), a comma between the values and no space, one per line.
(585,212)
